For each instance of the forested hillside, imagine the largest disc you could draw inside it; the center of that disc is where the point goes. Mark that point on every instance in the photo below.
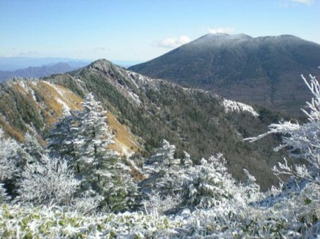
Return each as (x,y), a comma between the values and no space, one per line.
(255,70)
(36,105)
(196,121)
(75,186)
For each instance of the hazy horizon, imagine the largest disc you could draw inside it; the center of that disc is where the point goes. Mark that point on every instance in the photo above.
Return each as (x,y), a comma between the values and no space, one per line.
(17,63)
(141,30)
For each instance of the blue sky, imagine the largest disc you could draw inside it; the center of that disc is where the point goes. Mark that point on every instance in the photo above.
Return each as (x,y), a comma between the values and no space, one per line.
(138,30)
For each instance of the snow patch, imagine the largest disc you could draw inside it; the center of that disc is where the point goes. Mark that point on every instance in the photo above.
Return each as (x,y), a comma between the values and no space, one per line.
(66,108)
(132,79)
(23,84)
(29,90)
(125,150)
(135,97)
(234,106)
(138,79)
(59,91)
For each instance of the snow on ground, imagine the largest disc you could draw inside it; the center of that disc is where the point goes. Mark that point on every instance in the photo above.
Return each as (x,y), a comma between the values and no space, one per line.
(124,149)
(66,108)
(139,80)
(52,222)
(234,106)
(24,85)
(134,97)
(78,80)
(59,91)
(131,76)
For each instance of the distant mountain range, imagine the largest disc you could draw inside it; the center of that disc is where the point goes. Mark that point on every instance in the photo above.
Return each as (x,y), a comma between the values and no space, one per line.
(17,63)
(40,71)
(142,112)
(262,70)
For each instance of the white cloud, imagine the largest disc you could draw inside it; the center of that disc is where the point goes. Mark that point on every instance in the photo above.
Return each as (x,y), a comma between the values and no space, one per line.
(226,30)
(100,49)
(173,42)
(28,53)
(303,1)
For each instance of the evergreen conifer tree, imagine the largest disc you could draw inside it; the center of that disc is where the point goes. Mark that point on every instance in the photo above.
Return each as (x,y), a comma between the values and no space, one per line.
(8,167)
(163,170)
(61,138)
(83,138)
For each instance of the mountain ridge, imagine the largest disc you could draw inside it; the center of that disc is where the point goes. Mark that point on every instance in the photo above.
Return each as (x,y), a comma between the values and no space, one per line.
(39,71)
(254,70)
(197,121)
(37,105)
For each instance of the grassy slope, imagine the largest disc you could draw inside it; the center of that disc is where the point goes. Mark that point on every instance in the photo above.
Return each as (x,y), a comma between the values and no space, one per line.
(38,103)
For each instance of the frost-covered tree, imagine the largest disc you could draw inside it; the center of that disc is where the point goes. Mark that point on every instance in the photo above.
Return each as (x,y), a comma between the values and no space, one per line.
(165,176)
(82,136)
(61,138)
(112,180)
(302,141)
(8,150)
(8,167)
(297,203)
(3,194)
(30,151)
(209,184)
(204,185)
(46,181)
(92,135)
(157,205)
(100,168)
(83,139)
(14,157)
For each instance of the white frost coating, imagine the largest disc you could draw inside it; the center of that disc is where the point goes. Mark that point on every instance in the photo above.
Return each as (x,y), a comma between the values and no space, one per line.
(125,150)
(66,108)
(79,80)
(32,94)
(135,97)
(132,79)
(59,91)
(29,90)
(137,78)
(234,106)
(23,84)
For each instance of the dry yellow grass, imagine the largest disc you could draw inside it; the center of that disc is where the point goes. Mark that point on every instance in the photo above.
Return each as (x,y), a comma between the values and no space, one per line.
(74,101)
(51,95)
(51,105)
(14,133)
(54,99)
(125,142)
